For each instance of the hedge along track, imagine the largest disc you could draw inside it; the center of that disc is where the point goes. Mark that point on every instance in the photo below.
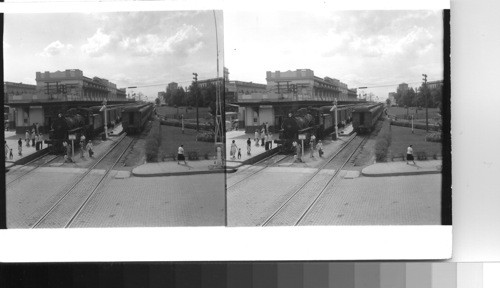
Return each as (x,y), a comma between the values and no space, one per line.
(58,221)
(292,212)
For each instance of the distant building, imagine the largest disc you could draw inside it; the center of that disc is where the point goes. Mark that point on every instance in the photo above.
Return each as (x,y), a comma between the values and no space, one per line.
(56,92)
(10,89)
(403,88)
(172,86)
(237,89)
(302,84)
(435,84)
(392,98)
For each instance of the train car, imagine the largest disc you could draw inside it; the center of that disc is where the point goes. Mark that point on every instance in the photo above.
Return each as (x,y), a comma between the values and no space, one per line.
(134,117)
(366,116)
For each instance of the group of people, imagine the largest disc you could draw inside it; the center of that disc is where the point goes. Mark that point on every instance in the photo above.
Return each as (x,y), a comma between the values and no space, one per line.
(85,147)
(314,146)
(264,136)
(34,136)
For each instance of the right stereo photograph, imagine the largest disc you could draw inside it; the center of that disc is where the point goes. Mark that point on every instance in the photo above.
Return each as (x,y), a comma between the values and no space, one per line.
(338,118)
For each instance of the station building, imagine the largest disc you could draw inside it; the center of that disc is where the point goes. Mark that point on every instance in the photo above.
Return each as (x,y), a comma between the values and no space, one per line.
(55,92)
(287,92)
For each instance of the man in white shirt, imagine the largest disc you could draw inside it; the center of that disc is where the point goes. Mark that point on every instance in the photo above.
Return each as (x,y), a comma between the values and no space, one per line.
(409,154)
(180,155)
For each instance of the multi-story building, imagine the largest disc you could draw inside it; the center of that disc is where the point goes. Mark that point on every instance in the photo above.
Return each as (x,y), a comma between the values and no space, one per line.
(55,92)
(242,90)
(302,84)
(403,88)
(438,84)
(352,94)
(172,86)
(16,90)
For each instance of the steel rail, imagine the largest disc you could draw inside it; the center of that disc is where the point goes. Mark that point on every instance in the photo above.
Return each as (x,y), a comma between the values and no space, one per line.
(79,179)
(270,218)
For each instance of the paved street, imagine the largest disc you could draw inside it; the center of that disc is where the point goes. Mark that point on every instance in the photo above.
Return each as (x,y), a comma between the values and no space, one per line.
(195,200)
(397,200)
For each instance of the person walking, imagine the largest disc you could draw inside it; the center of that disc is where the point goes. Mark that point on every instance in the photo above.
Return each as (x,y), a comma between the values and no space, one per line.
(409,154)
(239,153)
(233,150)
(11,156)
(20,147)
(257,137)
(27,137)
(180,154)
(249,147)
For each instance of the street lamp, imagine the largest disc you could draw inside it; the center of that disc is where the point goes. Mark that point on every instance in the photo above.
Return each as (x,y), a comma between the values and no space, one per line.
(426,104)
(196,99)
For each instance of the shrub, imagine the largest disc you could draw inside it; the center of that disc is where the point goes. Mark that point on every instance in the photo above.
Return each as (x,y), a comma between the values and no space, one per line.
(193,155)
(433,137)
(421,155)
(383,142)
(153,143)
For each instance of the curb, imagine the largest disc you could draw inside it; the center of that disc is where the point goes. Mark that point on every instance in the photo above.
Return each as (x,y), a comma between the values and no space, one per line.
(401,173)
(184,173)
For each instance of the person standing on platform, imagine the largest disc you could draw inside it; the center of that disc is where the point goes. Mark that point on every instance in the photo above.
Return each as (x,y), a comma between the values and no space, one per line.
(262,136)
(27,138)
(249,147)
(239,153)
(270,139)
(20,147)
(180,155)
(37,142)
(266,142)
(82,146)
(90,149)
(7,149)
(409,154)
(257,137)
(233,150)
(320,148)
(68,151)
(33,136)
(312,144)
(41,141)
(267,128)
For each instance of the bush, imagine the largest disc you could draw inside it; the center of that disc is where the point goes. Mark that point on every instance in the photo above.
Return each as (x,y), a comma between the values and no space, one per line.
(433,137)
(153,143)
(421,155)
(383,142)
(193,155)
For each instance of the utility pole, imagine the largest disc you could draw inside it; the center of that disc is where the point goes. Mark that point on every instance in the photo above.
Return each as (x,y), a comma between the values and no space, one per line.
(196,99)
(426,104)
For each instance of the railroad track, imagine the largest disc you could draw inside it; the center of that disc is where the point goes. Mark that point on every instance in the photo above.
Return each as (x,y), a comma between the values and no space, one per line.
(280,159)
(291,213)
(67,208)
(52,158)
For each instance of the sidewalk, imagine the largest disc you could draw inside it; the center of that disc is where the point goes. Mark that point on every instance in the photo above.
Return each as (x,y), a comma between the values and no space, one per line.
(400,168)
(11,138)
(171,168)
(240,139)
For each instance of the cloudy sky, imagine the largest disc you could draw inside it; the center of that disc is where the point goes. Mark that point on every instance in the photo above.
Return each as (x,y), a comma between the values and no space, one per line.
(127,48)
(360,48)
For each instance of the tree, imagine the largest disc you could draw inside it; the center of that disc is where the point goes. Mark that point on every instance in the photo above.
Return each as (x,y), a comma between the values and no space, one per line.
(388,102)
(158,101)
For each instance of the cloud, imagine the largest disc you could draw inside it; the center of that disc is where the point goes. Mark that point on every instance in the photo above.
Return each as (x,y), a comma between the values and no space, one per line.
(55,48)
(97,45)
(187,40)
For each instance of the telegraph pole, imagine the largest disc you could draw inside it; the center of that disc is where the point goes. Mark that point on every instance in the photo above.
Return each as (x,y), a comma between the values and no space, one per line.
(196,99)
(426,104)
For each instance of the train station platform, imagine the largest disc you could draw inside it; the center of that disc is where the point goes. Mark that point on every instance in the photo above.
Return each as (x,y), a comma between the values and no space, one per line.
(11,139)
(240,139)
(171,168)
(400,168)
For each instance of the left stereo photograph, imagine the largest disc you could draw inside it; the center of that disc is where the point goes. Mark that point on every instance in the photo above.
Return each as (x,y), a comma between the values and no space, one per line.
(114,119)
